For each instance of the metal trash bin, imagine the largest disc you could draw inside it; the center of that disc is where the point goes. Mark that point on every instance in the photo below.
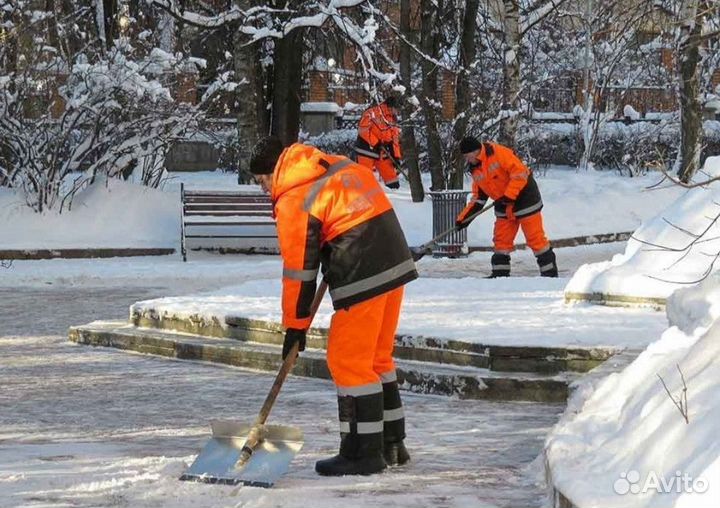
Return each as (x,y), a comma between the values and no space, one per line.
(446,205)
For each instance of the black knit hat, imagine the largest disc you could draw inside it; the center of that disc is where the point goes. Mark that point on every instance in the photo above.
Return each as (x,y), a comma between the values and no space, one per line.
(469,144)
(392,101)
(265,155)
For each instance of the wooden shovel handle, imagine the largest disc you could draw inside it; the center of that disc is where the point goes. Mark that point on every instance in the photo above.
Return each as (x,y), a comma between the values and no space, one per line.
(289,362)
(257,432)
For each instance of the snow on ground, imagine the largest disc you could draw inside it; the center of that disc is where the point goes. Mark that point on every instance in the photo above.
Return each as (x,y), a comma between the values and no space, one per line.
(108,214)
(91,427)
(661,256)
(223,270)
(94,427)
(122,214)
(202,270)
(626,444)
(516,311)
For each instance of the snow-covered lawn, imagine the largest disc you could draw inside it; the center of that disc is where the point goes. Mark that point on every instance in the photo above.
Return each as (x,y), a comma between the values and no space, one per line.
(121,214)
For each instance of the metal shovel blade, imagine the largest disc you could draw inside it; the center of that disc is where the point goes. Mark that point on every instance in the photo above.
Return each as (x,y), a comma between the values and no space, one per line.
(217,461)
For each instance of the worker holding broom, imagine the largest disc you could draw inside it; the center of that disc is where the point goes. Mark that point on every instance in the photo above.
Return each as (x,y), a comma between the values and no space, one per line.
(378,141)
(499,174)
(331,213)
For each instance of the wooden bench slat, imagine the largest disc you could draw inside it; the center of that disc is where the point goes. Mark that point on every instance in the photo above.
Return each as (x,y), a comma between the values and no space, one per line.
(189,193)
(219,213)
(216,199)
(208,208)
(219,223)
(230,236)
(228,207)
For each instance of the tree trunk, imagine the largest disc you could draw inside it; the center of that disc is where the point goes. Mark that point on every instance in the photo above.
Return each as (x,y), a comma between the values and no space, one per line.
(245,61)
(462,88)
(166,27)
(511,73)
(689,71)
(409,144)
(110,11)
(428,44)
(100,22)
(287,83)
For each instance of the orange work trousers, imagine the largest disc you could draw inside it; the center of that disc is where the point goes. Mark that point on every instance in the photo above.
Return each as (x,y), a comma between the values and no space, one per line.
(361,340)
(532,227)
(383,165)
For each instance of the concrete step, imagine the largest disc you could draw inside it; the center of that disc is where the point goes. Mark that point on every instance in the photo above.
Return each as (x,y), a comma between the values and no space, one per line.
(464,381)
(543,360)
(611,300)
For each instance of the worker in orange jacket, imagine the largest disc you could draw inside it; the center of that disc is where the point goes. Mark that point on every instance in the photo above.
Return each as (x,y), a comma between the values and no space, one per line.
(378,141)
(331,212)
(499,174)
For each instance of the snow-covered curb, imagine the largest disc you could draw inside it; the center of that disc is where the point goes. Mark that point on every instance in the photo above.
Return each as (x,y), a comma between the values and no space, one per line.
(467,309)
(623,443)
(544,360)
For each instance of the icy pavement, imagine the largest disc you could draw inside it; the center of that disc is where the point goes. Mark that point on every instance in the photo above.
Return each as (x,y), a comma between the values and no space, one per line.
(93,427)
(211,270)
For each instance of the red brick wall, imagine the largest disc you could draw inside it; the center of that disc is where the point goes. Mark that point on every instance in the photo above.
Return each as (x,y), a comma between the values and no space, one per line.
(715,78)
(186,88)
(447,94)
(57,104)
(318,86)
(666,59)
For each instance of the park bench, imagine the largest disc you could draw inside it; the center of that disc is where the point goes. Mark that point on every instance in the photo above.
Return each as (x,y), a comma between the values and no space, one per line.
(227,222)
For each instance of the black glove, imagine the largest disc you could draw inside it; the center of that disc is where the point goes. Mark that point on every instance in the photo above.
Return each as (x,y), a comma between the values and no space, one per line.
(293,335)
(461,224)
(504,201)
(509,205)
(393,185)
(389,149)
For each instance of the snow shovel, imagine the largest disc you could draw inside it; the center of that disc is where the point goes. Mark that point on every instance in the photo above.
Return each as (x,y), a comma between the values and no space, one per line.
(397,164)
(426,248)
(255,455)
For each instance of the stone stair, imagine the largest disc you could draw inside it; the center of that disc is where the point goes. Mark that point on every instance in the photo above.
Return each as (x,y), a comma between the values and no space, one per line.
(425,365)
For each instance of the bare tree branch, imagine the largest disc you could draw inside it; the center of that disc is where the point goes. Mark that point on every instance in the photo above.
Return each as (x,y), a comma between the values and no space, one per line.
(681,402)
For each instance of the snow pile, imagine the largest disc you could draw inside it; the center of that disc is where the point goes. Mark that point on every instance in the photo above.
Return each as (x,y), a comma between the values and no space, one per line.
(628,445)
(631,113)
(106,214)
(675,248)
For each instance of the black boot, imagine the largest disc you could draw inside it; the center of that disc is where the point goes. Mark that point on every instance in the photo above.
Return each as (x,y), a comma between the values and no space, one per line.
(361,437)
(500,265)
(394,449)
(547,264)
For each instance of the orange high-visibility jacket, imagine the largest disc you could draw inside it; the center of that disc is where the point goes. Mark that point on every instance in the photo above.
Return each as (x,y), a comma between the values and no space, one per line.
(498,172)
(378,130)
(331,211)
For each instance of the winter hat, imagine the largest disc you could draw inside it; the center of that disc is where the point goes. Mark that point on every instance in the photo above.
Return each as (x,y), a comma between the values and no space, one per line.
(392,102)
(469,144)
(265,155)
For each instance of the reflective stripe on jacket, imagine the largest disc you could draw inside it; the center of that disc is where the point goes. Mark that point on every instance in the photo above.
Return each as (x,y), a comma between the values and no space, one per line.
(331,211)
(499,172)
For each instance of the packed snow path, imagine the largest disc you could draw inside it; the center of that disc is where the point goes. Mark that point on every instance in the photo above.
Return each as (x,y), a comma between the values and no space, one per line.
(93,427)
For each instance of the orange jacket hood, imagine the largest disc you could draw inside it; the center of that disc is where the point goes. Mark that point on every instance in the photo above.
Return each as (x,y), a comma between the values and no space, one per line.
(297,165)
